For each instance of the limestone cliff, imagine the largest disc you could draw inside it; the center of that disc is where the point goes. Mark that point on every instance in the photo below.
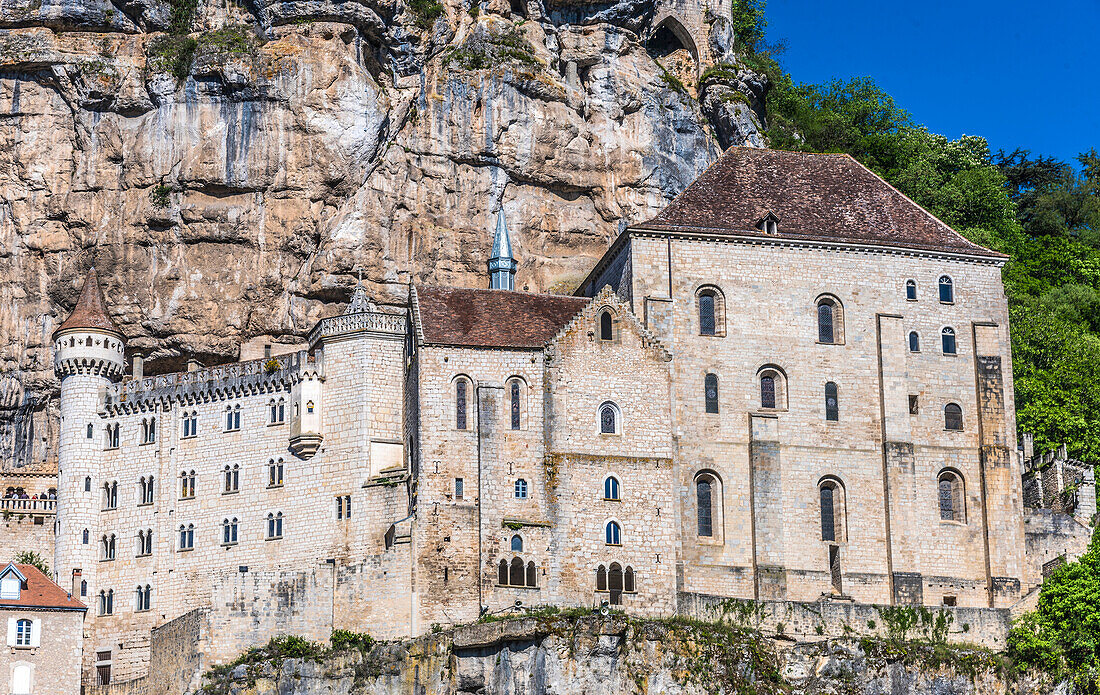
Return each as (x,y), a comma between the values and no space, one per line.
(229,167)
(617,656)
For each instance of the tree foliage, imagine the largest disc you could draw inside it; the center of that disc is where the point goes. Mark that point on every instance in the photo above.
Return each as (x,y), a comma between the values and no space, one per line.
(30,557)
(1062,635)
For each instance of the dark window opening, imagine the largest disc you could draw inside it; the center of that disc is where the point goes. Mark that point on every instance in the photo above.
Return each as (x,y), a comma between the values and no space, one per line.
(607,327)
(710,389)
(832,406)
(707,322)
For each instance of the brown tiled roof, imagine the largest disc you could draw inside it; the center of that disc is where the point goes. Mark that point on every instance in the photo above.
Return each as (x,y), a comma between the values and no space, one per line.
(40,592)
(492,318)
(90,310)
(817,197)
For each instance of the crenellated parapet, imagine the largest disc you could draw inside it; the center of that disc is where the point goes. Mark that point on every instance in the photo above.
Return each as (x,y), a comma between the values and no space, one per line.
(224,382)
(365,323)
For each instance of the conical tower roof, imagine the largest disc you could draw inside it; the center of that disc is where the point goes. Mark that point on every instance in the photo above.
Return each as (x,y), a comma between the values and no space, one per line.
(91,309)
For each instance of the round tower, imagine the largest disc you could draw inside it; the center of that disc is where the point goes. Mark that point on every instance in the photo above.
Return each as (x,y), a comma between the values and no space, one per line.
(88,355)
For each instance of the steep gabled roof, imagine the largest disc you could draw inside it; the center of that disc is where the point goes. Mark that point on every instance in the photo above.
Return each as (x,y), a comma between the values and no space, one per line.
(490,318)
(816,197)
(90,310)
(39,591)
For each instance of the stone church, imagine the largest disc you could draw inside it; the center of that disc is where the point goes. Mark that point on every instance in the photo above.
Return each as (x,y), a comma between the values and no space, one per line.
(791,384)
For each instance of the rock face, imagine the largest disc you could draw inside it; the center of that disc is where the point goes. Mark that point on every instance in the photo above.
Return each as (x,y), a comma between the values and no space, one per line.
(230,168)
(619,657)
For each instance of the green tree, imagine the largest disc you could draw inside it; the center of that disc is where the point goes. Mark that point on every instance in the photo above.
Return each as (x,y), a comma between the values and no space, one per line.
(30,557)
(748,21)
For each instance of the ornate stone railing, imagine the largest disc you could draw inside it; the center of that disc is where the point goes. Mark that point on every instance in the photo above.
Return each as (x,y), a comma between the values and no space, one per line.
(366,322)
(226,377)
(15,505)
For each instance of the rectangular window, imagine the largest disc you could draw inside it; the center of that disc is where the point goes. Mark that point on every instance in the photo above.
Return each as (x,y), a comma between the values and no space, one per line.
(458,488)
(914,404)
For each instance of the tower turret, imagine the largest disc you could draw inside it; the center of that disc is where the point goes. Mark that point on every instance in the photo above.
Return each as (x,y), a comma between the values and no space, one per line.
(502,267)
(89,353)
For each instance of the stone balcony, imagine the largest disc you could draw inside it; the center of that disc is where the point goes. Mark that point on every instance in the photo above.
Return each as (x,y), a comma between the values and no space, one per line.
(13,505)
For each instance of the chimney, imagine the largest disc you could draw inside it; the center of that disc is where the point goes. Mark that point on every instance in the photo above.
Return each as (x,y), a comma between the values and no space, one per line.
(1029,445)
(193,365)
(138,367)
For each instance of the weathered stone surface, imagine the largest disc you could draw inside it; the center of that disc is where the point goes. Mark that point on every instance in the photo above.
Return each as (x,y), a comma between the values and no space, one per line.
(232,194)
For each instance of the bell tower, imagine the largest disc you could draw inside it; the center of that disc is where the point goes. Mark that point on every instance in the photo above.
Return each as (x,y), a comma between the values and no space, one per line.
(89,353)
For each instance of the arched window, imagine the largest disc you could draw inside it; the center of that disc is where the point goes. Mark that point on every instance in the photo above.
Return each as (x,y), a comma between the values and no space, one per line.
(611,488)
(767,391)
(949,346)
(826,315)
(828,516)
(87,484)
(187,484)
(502,573)
(83,587)
(951,496)
(517,543)
(911,290)
(947,290)
(601,578)
(952,416)
(144,598)
(461,398)
(615,583)
(532,575)
(275,472)
(607,326)
(309,407)
(90,430)
(628,580)
(711,307)
(914,341)
(710,392)
(704,505)
(613,533)
(190,424)
(275,525)
(516,573)
(232,478)
(517,402)
(187,537)
(84,536)
(229,531)
(609,418)
(832,404)
(519,489)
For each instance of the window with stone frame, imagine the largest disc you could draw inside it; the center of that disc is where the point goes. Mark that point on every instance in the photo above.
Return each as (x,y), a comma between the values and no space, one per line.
(143,598)
(230,527)
(144,542)
(274,525)
(710,393)
(704,506)
(462,398)
(948,338)
(148,430)
(516,574)
(343,507)
(710,309)
(276,411)
(947,290)
(832,402)
(516,390)
(187,485)
(832,510)
(611,491)
(773,388)
(517,543)
(613,533)
(914,341)
(108,543)
(110,495)
(145,490)
(830,320)
(607,325)
(232,478)
(952,497)
(911,290)
(610,418)
(275,472)
(519,489)
(953,417)
(232,418)
(190,424)
(187,537)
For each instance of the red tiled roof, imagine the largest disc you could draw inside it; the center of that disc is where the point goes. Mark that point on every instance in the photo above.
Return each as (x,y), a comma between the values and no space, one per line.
(90,310)
(41,592)
(492,318)
(817,197)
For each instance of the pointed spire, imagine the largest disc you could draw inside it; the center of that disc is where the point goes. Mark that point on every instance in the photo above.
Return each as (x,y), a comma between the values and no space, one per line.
(90,311)
(502,267)
(359,302)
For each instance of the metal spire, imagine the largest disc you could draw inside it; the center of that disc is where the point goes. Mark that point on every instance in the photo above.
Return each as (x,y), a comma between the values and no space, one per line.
(502,267)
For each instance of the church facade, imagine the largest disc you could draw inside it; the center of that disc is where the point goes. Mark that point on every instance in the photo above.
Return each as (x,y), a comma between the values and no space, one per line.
(793,383)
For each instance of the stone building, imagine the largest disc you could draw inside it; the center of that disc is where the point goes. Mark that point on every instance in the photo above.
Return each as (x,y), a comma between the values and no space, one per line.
(792,384)
(43,623)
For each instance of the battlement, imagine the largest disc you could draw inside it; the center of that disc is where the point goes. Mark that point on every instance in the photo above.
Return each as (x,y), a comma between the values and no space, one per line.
(215,383)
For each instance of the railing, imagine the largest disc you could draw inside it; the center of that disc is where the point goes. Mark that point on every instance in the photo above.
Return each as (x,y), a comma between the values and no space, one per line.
(17,505)
(353,323)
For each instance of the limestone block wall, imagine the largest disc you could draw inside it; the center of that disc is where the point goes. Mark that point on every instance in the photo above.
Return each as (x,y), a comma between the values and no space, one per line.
(1051,538)
(29,533)
(768,317)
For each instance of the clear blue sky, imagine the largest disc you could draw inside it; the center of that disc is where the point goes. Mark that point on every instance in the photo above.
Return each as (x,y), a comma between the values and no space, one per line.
(1021,74)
